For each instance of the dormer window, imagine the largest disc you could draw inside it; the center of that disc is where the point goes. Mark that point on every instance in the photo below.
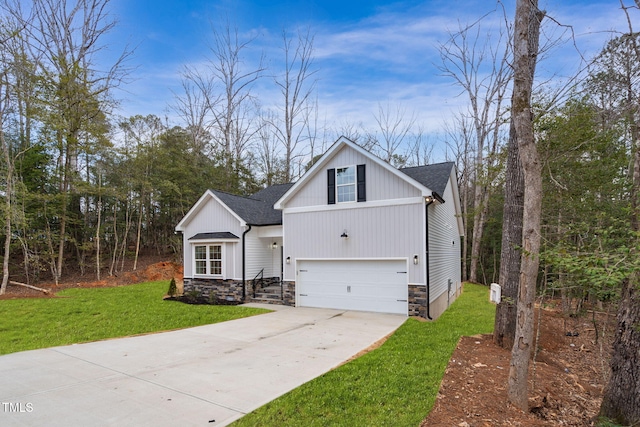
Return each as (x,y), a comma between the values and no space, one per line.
(346,184)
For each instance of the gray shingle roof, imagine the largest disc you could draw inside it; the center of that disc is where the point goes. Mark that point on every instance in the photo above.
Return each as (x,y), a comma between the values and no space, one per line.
(435,176)
(256,209)
(216,235)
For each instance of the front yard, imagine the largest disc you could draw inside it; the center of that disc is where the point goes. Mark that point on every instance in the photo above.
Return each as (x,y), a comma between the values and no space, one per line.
(91,314)
(395,385)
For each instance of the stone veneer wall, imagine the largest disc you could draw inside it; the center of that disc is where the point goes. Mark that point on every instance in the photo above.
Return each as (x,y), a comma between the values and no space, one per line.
(289,293)
(230,290)
(418,300)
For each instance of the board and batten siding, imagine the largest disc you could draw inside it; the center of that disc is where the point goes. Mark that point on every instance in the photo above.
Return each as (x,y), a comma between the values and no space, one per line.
(380,183)
(213,217)
(444,247)
(395,231)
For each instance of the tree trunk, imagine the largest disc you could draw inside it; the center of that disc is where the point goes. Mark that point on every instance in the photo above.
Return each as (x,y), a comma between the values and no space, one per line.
(99,208)
(7,219)
(478,227)
(114,255)
(621,402)
(138,234)
(513,211)
(525,36)
(509,279)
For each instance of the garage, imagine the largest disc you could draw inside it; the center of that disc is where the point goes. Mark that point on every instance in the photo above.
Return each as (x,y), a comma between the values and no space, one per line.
(361,285)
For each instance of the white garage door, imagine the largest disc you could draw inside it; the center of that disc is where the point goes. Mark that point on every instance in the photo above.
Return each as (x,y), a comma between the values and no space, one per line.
(372,285)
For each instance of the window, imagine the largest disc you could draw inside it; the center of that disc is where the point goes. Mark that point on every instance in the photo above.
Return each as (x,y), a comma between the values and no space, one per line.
(346,184)
(208,259)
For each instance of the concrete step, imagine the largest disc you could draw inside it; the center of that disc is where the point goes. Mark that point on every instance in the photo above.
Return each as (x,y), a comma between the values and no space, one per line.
(258,299)
(268,295)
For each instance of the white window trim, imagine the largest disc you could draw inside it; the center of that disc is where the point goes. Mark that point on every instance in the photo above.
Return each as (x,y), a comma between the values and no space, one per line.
(355,184)
(208,245)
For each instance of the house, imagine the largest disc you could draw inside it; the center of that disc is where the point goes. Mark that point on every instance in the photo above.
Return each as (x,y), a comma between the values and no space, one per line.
(353,233)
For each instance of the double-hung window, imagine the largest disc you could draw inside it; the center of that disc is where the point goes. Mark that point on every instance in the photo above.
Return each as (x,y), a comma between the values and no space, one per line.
(346,184)
(208,260)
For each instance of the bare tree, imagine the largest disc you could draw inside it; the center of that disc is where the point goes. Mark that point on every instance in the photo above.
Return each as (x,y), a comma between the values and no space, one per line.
(395,128)
(296,84)
(421,150)
(459,140)
(193,105)
(525,46)
(271,164)
(479,65)
(233,124)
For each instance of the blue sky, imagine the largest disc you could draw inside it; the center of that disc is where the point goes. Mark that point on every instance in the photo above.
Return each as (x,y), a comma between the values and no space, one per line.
(366,52)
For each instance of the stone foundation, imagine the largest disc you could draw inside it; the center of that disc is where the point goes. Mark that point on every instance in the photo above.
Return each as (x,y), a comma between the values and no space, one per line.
(289,293)
(211,289)
(231,290)
(417,300)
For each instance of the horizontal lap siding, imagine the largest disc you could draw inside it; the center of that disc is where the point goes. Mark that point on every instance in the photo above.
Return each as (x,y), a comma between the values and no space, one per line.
(378,232)
(444,247)
(259,255)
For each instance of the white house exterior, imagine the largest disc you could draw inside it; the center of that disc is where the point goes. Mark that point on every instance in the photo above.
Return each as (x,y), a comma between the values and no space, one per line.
(354,233)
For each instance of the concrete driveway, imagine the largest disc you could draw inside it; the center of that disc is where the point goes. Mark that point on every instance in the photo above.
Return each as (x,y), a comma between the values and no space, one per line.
(205,376)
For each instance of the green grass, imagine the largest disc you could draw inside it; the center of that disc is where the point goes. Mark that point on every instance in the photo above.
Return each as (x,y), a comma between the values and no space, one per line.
(81,315)
(395,385)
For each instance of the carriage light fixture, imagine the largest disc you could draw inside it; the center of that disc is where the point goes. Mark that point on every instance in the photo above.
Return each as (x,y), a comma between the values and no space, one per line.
(415,260)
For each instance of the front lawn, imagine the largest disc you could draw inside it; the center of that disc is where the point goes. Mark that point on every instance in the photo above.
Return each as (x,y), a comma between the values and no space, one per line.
(395,385)
(81,315)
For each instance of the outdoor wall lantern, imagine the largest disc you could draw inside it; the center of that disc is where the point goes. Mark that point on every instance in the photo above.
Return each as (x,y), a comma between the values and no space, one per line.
(344,235)
(415,260)
(274,245)
(288,260)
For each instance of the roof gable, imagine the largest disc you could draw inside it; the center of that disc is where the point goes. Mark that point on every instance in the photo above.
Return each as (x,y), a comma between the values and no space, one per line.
(197,207)
(340,144)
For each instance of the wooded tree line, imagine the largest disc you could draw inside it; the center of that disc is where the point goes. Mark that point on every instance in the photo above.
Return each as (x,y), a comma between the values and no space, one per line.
(586,134)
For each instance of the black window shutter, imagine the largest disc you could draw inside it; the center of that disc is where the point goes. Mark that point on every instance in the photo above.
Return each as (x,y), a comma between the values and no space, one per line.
(362,185)
(331,186)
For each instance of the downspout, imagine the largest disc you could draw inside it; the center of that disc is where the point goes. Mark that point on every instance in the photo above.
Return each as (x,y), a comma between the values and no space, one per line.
(244,267)
(430,201)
